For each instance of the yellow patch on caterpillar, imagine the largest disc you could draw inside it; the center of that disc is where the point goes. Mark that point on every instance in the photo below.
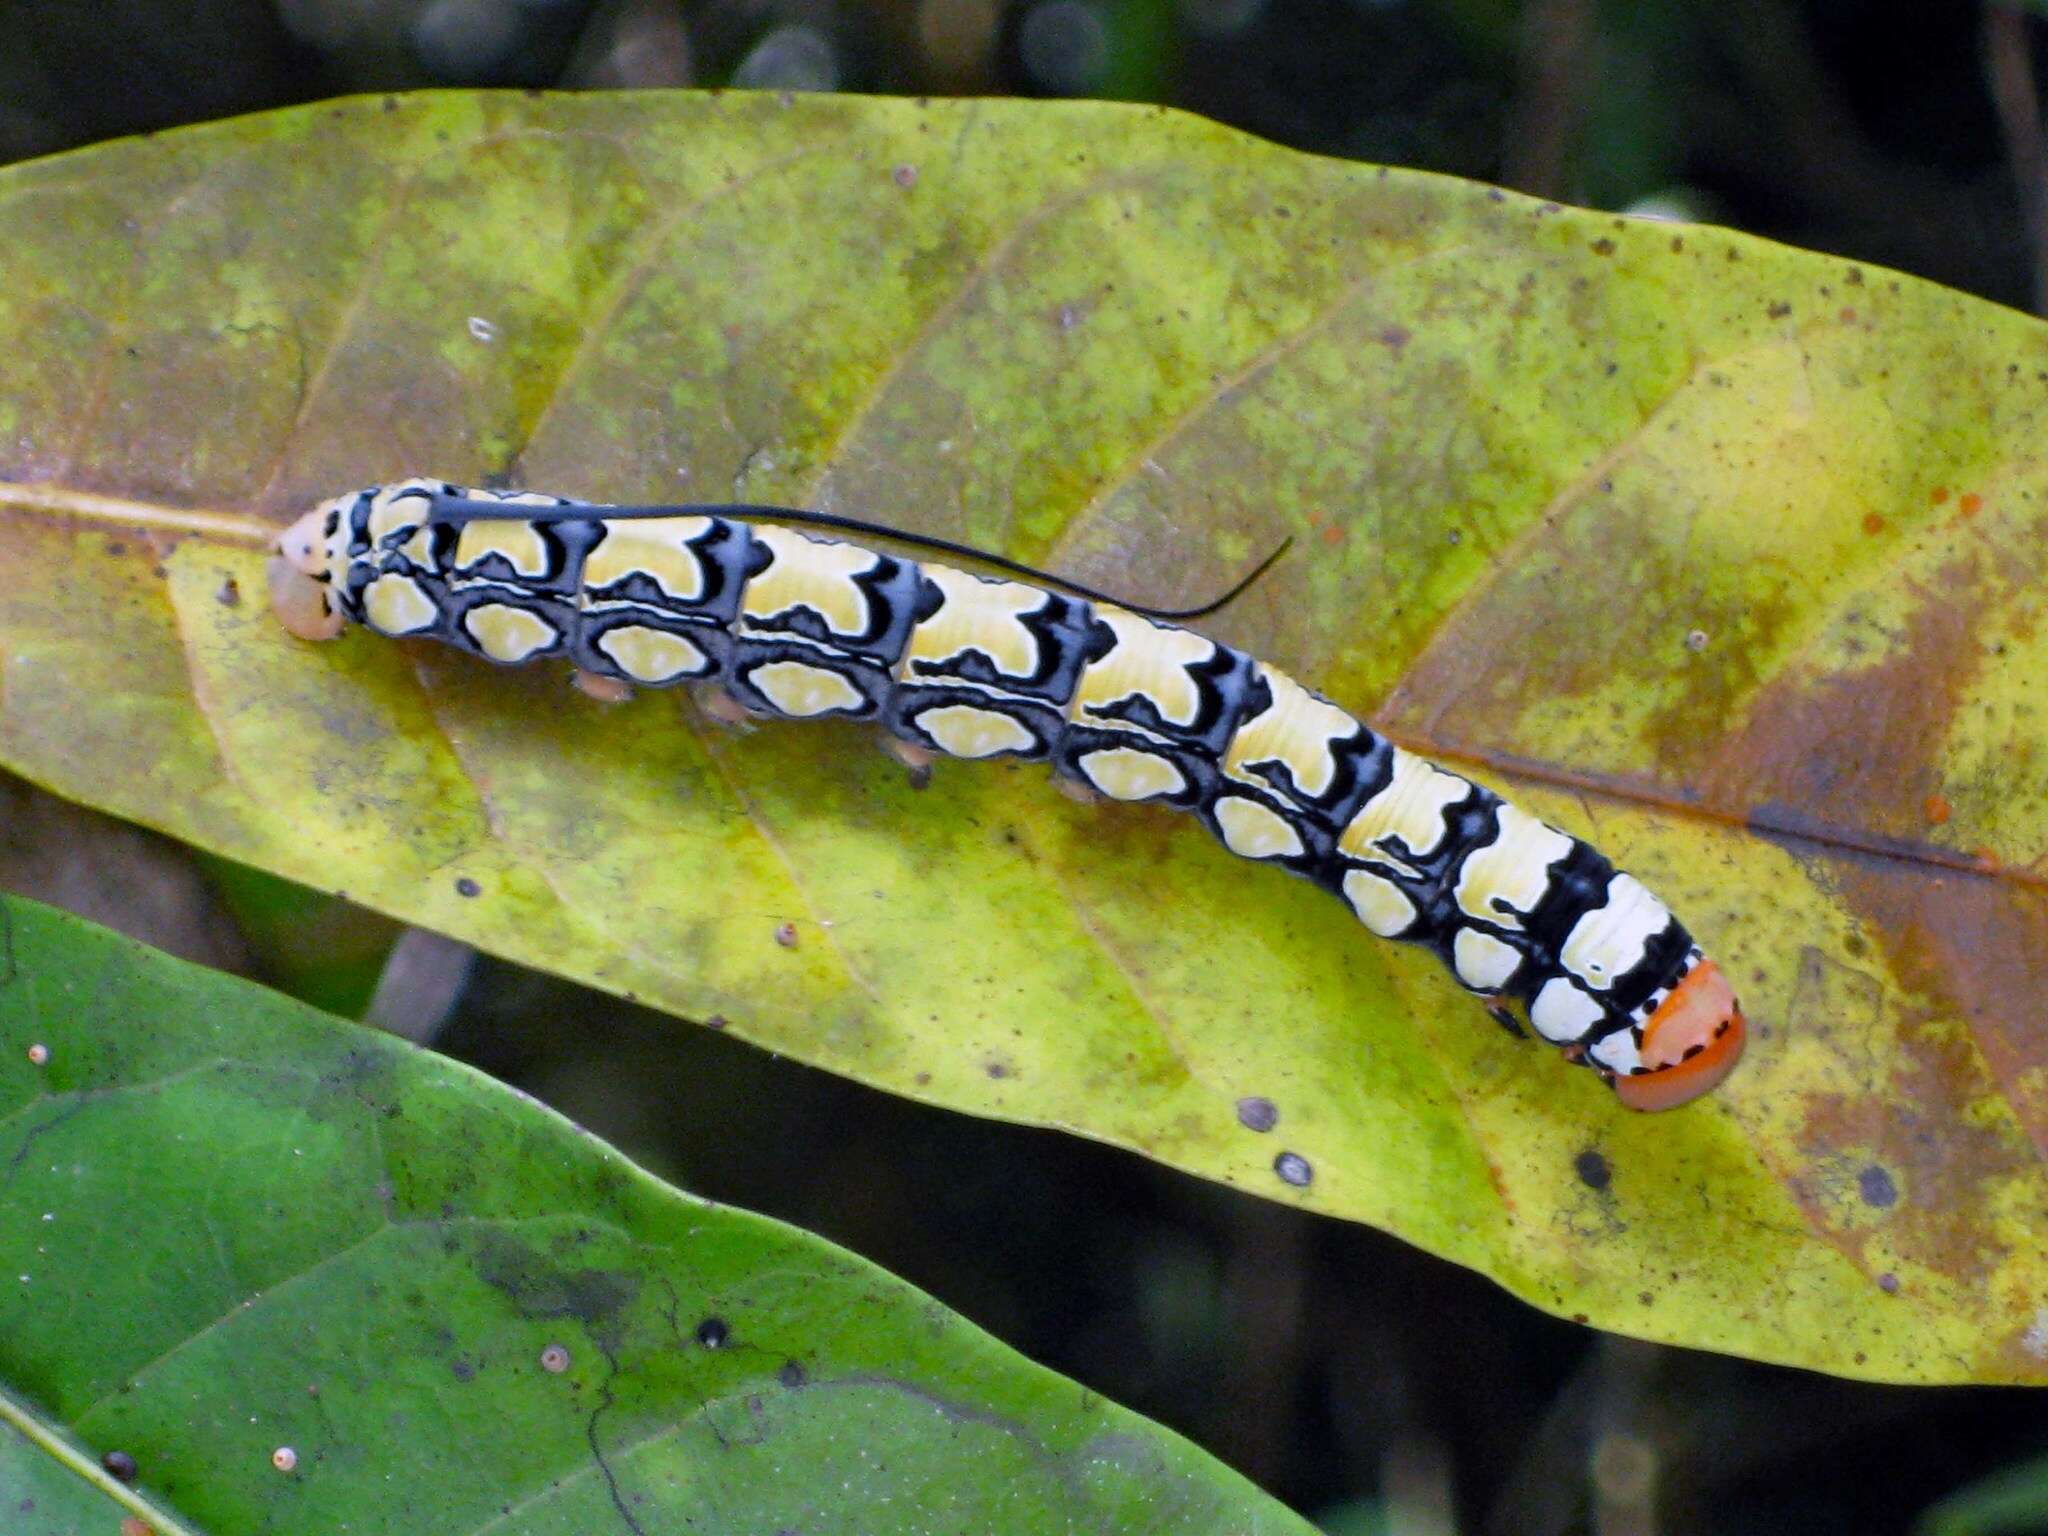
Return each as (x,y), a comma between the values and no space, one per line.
(1411,808)
(1295,730)
(520,544)
(1148,659)
(978,615)
(814,574)
(650,655)
(398,605)
(1380,904)
(1124,773)
(1254,831)
(508,634)
(962,730)
(797,688)
(657,548)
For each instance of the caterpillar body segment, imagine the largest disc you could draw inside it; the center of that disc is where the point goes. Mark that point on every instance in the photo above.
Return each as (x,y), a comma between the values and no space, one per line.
(1123,705)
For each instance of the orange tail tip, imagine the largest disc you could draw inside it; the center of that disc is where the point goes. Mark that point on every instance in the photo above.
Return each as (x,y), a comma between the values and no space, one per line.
(1692,1041)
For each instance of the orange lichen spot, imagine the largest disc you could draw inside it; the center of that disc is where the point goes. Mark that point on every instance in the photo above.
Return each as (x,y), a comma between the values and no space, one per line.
(1333,533)
(1873,523)
(1937,810)
(1938,495)
(1691,1043)
(1848,317)
(1970,504)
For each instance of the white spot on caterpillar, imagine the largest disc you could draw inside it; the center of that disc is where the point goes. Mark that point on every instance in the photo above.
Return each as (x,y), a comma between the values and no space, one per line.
(1295,730)
(1608,941)
(800,689)
(966,731)
(1379,903)
(396,605)
(1503,881)
(1411,808)
(1484,963)
(1617,1052)
(1562,1013)
(506,633)
(1124,773)
(1253,831)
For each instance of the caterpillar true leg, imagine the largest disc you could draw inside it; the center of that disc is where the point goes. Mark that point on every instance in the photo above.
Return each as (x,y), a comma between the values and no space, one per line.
(773,622)
(917,761)
(721,706)
(606,690)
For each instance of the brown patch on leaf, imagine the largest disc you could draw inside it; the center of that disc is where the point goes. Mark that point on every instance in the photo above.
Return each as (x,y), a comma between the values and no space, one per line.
(1907,1147)
(1862,748)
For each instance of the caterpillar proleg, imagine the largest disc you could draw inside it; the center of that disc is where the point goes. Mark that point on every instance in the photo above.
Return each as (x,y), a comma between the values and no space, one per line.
(1121,702)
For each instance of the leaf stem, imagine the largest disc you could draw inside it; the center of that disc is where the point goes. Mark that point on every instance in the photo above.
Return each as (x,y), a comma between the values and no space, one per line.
(91,506)
(50,1440)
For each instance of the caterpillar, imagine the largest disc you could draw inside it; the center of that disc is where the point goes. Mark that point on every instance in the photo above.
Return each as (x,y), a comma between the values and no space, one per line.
(1122,703)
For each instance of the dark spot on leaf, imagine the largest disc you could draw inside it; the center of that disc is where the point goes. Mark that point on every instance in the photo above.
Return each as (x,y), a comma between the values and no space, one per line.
(1257,1114)
(997,1070)
(116,547)
(785,935)
(792,1375)
(1293,1169)
(1888,1283)
(1779,310)
(1876,1187)
(120,1464)
(1592,1169)
(229,594)
(540,1286)
(713,1333)
(468,887)
(716,1021)
(464,1370)
(1397,336)
(905,176)
(1603,247)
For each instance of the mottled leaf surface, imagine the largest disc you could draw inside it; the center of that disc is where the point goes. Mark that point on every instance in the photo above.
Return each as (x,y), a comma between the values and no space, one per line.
(1724,555)
(233,1224)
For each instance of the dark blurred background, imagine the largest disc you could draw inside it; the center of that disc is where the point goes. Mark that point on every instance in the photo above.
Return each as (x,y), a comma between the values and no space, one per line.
(1371,1387)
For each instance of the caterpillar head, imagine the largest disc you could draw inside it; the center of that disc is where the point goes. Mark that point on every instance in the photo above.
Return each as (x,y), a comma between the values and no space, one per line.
(1689,1044)
(302,574)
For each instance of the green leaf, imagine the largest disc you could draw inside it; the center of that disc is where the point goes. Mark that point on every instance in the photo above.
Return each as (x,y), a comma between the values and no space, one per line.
(1726,556)
(2010,1502)
(234,1224)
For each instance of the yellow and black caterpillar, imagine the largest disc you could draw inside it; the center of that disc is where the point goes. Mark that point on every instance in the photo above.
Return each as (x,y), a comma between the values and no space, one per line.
(796,626)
